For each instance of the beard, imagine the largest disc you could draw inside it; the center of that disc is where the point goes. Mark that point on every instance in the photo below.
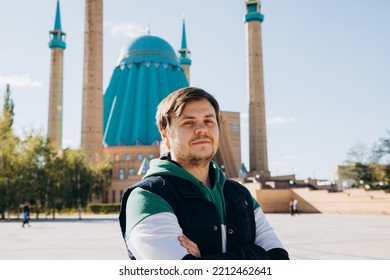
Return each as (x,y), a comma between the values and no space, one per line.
(192,160)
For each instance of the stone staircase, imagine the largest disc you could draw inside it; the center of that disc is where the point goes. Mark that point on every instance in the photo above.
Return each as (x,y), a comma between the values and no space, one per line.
(352,201)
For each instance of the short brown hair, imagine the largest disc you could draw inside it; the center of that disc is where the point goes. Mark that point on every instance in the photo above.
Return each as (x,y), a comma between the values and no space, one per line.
(174,103)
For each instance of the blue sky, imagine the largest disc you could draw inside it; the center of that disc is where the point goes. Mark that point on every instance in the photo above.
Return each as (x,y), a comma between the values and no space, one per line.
(326,68)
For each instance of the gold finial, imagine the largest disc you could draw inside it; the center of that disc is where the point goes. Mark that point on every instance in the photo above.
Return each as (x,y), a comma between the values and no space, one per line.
(148,29)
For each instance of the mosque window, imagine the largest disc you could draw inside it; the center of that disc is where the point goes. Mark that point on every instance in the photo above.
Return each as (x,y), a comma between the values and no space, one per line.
(127,157)
(131,171)
(116,157)
(234,127)
(151,156)
(140,157)
(105,198)
(121,173)
(113,196)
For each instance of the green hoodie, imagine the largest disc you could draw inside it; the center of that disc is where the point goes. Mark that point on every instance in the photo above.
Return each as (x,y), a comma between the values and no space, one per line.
(213,194)
(144,203)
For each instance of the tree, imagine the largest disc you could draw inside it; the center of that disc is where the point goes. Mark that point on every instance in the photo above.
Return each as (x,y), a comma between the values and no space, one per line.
(77,180)
(382,171)
(40,169)
(369,168)
(8,156)
(362,153)
(8,108)
(383,148)
(32,170)
(102,174)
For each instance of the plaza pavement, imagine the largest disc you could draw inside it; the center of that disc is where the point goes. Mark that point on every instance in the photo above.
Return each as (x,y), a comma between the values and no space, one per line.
(98,237)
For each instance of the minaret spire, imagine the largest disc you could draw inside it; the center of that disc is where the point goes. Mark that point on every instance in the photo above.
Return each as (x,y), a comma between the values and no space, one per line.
(257,125)
(183,36)
(185,54)
(57,24)
(57,36)
(57,45)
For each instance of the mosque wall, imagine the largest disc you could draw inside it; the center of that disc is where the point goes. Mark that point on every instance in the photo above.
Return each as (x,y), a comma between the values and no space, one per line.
(228,156)
(127,161)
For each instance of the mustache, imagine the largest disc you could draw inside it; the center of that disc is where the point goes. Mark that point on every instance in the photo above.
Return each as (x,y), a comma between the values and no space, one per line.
(202,138)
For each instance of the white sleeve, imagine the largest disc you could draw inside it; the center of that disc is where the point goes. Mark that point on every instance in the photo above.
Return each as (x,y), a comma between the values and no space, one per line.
(265,235)
(155,238)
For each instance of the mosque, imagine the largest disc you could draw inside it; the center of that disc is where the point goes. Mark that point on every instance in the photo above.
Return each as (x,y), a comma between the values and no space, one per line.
(119,124)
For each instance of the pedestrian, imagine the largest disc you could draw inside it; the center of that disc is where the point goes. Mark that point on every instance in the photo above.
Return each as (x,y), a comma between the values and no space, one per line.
(26,214)
(291,207)
(185,207)
(295,207)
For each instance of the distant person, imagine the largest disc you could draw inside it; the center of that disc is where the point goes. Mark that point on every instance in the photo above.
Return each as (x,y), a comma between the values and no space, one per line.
(295,207)
(26,215)
(185,207)
(291,207)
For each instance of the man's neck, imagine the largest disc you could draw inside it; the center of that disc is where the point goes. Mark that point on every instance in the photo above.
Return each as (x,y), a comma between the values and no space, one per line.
(201,173)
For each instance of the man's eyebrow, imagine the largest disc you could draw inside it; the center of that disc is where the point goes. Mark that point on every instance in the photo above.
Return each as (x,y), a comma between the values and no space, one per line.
(186,117)
(192,117)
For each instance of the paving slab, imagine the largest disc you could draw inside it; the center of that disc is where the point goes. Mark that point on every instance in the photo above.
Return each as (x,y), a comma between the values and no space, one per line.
(98,237)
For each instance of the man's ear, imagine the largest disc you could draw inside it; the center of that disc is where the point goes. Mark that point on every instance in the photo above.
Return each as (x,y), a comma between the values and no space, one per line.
(164,137)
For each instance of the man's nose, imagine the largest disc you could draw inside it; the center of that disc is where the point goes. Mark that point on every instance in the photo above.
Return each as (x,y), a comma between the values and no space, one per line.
(200,128)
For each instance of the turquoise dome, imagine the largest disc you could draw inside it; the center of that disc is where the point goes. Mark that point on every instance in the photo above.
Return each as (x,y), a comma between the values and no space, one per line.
(146,74)
(149,49)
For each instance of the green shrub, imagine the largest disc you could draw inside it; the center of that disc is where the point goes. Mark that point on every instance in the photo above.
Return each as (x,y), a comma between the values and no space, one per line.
(105,208)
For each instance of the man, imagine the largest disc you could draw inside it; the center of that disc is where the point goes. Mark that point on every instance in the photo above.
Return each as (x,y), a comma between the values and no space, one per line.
(185,208)
(26,214)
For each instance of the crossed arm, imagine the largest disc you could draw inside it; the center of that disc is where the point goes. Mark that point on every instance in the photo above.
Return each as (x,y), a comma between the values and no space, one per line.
(189,245)
(160,237)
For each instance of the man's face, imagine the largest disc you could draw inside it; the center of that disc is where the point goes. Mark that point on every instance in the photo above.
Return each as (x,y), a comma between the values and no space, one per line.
(193,137)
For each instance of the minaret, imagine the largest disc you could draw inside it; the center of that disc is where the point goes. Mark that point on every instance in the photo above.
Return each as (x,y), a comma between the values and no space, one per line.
(57,46)
(185,54)
(257,125)
(92,116)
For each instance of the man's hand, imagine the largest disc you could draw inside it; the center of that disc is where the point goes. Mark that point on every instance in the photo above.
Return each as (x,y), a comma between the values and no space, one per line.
(191,247)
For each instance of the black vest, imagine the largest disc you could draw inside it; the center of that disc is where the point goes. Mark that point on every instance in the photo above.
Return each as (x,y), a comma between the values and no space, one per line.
(198,217)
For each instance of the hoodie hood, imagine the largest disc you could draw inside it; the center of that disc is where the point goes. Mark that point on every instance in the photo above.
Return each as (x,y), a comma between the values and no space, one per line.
(164,166)
(214,194)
